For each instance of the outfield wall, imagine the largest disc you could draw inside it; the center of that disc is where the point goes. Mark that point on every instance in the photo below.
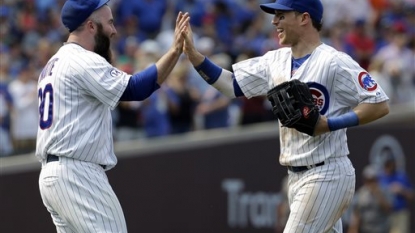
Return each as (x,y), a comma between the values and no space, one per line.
(204,182)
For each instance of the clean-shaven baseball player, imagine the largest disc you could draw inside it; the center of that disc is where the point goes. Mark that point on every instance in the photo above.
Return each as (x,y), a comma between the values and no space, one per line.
(77,89)
(321,176)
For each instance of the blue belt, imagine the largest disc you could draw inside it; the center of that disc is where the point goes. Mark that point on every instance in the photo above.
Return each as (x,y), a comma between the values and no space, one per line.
(304,168)
(53,158)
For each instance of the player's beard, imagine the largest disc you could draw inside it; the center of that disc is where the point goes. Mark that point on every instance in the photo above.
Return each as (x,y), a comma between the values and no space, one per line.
(102,44)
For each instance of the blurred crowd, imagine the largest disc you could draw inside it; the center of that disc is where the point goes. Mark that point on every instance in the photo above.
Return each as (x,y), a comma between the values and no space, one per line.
(382,203)
(378,34)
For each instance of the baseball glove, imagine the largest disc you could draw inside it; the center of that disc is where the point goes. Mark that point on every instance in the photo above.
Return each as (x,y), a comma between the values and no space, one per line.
(294,106)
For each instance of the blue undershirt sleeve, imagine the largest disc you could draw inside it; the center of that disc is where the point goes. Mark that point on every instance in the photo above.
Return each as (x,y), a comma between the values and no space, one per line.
(236,88)
(141,85)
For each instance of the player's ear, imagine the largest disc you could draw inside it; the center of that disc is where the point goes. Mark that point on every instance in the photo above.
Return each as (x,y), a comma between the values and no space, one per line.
(305,17)
(90,25)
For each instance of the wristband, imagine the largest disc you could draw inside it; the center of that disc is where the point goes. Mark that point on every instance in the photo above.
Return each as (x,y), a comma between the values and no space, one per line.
(209,71)
(347,120)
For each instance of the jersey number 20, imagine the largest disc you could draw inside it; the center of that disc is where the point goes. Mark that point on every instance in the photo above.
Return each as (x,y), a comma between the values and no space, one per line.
(45,100)
(45,96)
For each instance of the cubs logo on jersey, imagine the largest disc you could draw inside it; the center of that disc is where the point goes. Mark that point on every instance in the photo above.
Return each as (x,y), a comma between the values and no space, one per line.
(320,95)
(366,82)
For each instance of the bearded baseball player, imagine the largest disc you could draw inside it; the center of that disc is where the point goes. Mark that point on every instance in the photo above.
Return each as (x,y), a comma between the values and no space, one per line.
(317,93)
(77,89)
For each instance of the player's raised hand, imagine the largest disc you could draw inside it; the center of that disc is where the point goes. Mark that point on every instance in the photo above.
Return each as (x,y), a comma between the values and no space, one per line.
(167,62)
(181,24)
(195,57)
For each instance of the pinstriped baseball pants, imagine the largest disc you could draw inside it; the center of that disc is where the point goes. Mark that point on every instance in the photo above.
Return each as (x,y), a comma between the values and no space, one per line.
(79,197)
(318,197)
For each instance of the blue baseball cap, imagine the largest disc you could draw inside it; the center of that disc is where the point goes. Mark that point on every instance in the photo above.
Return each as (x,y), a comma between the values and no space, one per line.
(75,12)
(313,7)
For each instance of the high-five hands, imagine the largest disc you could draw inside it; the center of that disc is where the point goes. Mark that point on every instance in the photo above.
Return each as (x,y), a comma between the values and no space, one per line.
(182,23)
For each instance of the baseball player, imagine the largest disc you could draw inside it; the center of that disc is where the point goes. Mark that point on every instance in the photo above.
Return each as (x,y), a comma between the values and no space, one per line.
(321,177)
(77,89)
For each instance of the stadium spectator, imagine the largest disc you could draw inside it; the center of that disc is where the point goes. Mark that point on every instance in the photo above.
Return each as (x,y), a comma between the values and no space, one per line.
(346,11)
(213,105)
(6,103)
(371,206)
(127,122)
(182,99)
(335,36)
(155,115)
(401,188)
(196,8)
(25,115)
(398,60)
(359,44)
(148,13)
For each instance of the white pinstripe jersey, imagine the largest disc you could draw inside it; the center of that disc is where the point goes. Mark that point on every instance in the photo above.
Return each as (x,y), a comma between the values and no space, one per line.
(76,90)
(337,83)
